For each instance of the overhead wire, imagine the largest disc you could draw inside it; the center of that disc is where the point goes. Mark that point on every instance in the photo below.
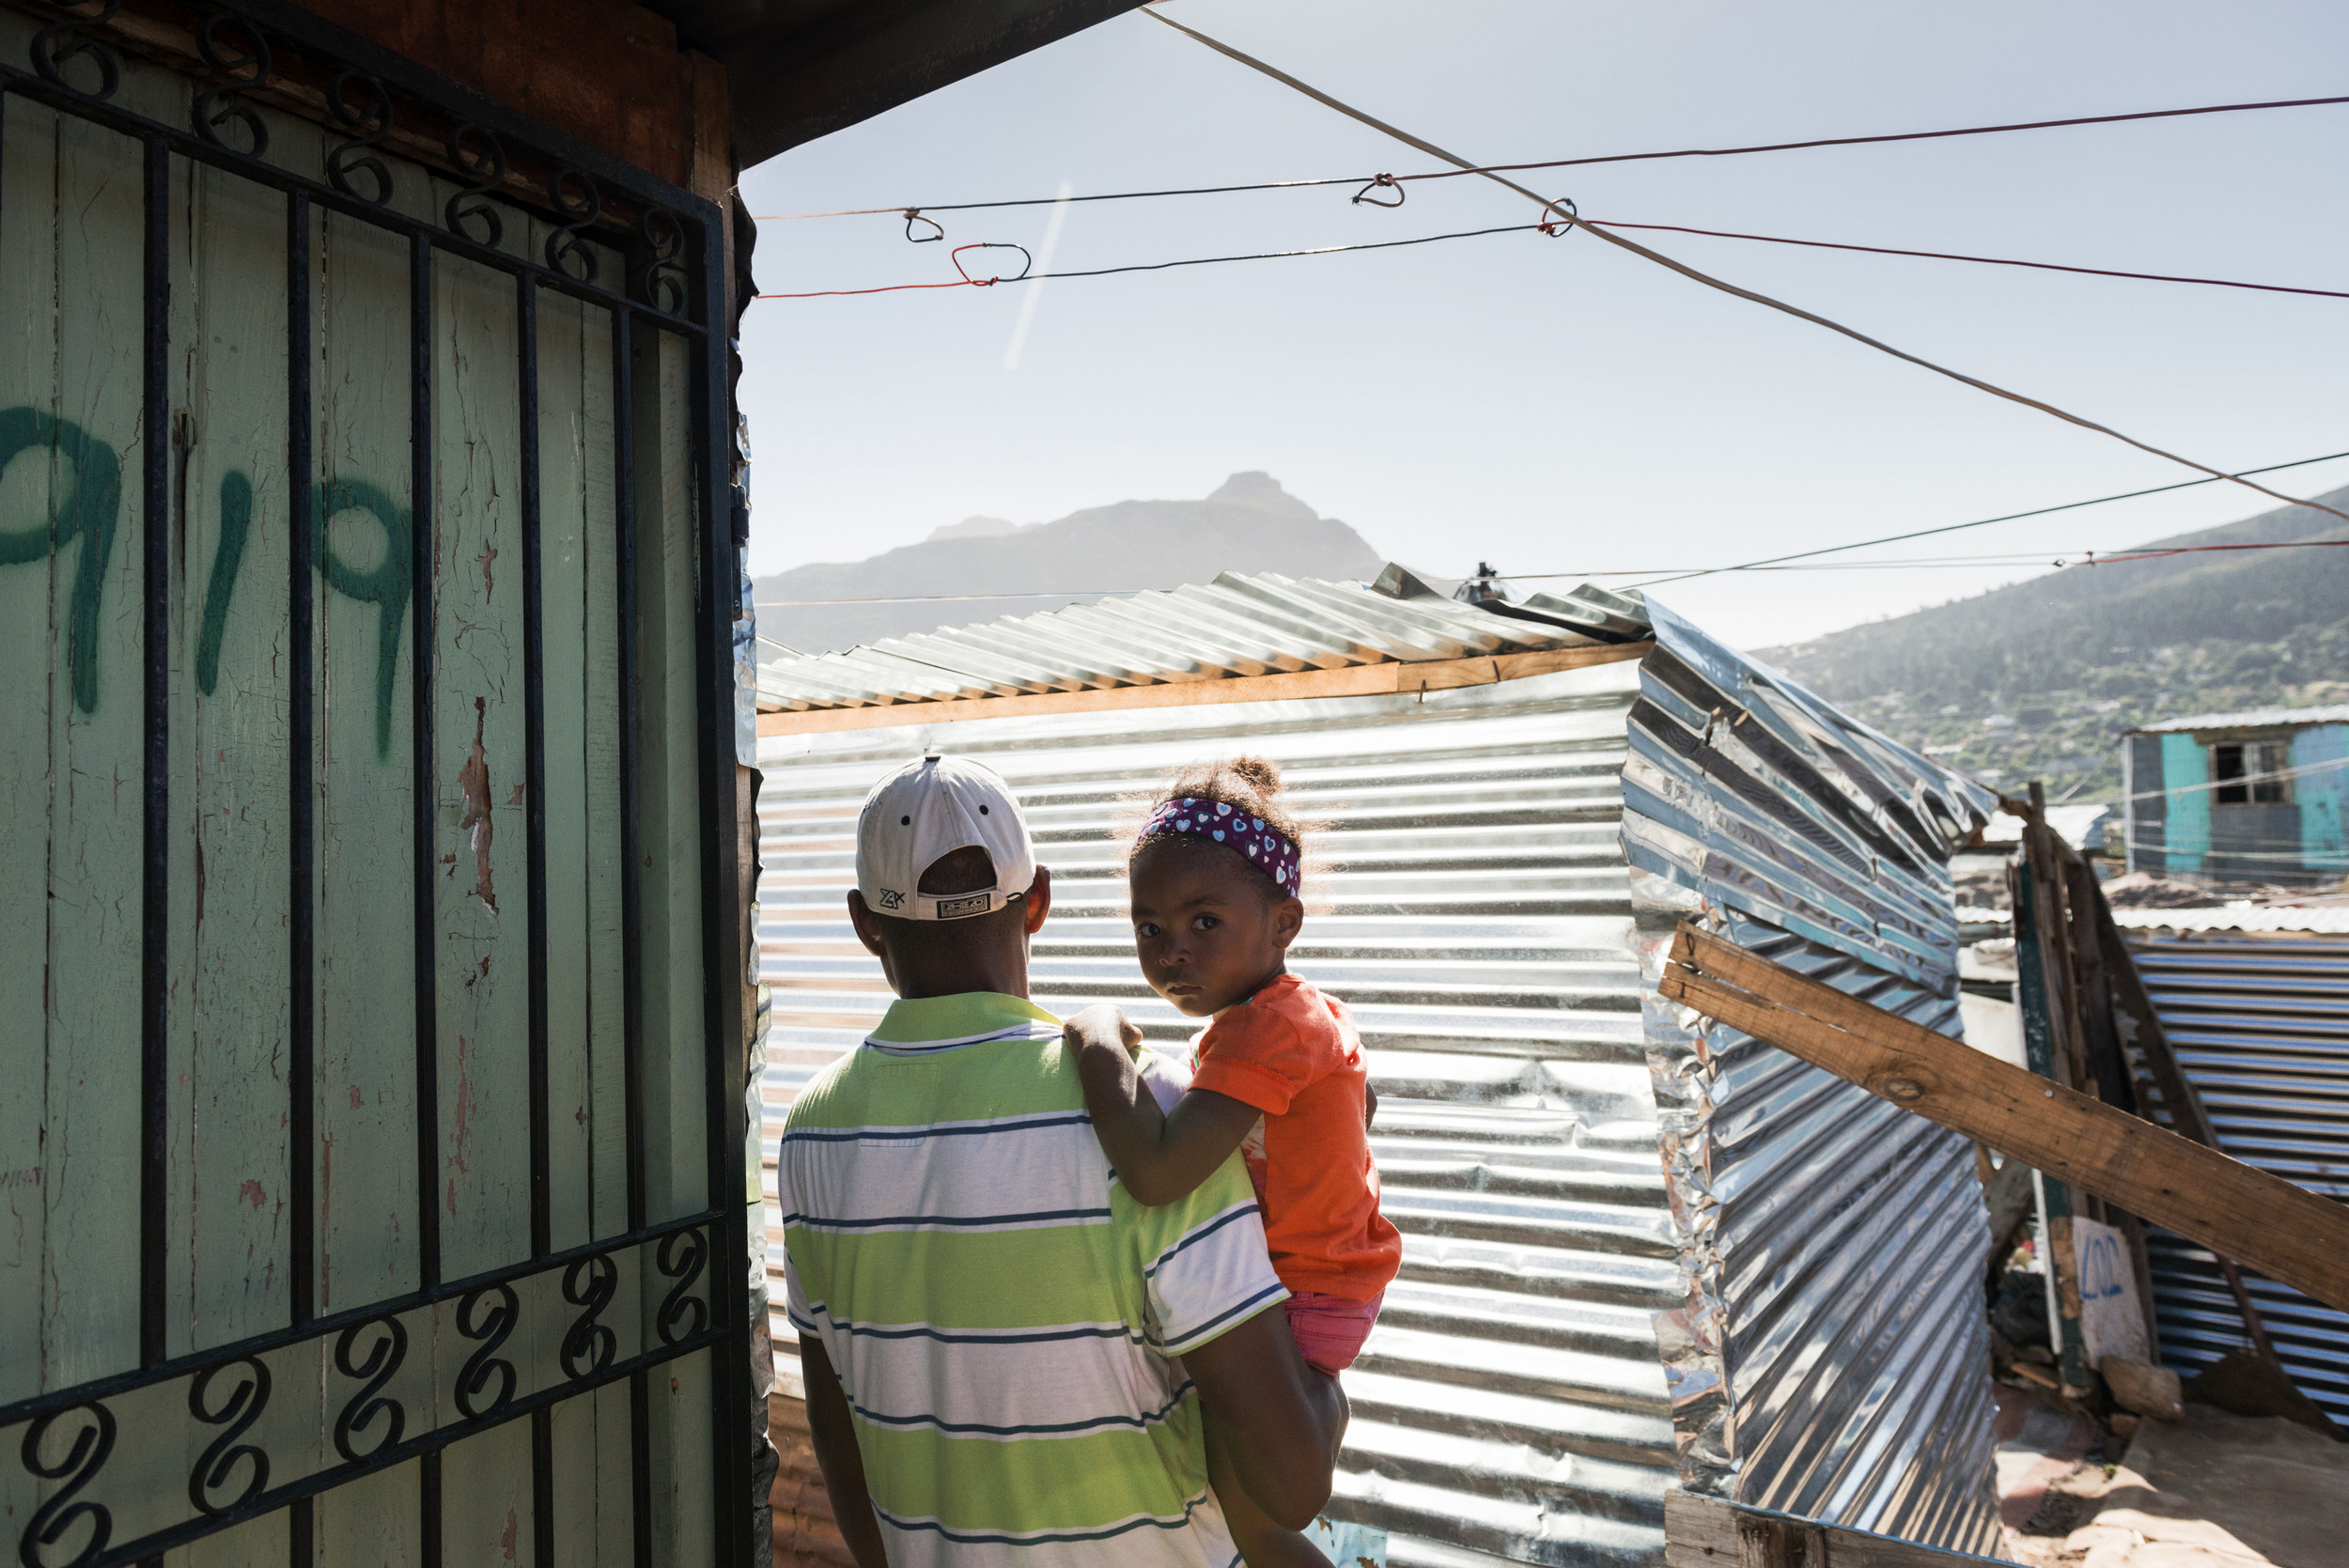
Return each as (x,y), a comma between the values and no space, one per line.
(1554,228)
(1985,260)
(2001,558)
(1983,522)
(1163,266)
(1569,163)
(1564,210)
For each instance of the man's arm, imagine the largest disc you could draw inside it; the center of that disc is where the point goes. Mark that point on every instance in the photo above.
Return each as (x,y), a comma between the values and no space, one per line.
(834,1431)
(1280,1420)
(1160,1157)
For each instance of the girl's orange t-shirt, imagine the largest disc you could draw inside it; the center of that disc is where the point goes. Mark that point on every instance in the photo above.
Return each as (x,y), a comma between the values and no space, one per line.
(1291,1053)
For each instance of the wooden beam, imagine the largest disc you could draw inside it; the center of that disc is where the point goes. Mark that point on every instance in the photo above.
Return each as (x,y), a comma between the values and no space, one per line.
(1711,1532)
(1360,680)
(2284,1231)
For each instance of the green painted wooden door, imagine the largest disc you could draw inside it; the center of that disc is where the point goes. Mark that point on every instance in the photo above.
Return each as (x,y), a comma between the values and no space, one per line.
(364,1138)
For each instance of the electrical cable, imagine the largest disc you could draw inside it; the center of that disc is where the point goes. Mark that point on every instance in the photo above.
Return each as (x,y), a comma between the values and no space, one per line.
(1569,163)
(1163,266)
(1556,228)
(1985,260)
(2003,558)
(1980,523)
(1564,210)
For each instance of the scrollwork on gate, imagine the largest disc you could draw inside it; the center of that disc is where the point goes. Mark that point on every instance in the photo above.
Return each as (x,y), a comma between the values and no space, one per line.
(588,1346)
(217,105)
(243,1407)
(660,275)
(680,1303)
(62,42)
(359,1412)
(53,1519)
(577,198)
(484,1363)
(476,152)
(369,120)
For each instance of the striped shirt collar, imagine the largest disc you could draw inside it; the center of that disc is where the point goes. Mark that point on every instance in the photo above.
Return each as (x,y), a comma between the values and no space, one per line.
(939,1023)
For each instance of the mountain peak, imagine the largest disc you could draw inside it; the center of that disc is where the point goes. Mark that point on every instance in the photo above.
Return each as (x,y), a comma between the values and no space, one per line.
(1260,491)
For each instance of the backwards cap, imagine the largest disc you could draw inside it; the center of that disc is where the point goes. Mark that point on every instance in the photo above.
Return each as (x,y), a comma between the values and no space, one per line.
(926,810)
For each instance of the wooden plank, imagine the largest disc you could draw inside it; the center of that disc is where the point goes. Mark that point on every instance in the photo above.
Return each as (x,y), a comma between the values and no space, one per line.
(676,1127)
(1711,1532)
(36,597)
(481,849)
(231,817)
(588,1168)
(1360,680)
(365,781)
(90,1142)
(2280,1229)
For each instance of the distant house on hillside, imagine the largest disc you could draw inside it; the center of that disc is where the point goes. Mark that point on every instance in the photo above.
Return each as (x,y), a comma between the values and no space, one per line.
(2255,797)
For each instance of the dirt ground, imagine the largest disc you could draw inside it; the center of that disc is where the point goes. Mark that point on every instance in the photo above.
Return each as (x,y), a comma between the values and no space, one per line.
(2211,1491)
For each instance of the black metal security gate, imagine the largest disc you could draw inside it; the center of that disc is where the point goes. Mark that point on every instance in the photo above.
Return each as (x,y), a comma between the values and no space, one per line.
(548,1321)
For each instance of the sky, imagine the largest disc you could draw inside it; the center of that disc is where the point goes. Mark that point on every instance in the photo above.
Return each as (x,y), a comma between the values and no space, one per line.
(1550,405)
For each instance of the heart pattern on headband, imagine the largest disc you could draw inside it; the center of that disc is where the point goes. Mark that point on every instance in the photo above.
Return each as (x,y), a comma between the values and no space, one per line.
(1267,850)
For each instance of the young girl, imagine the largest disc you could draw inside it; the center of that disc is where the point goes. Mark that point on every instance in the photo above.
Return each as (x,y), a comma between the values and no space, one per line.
(1278,1075)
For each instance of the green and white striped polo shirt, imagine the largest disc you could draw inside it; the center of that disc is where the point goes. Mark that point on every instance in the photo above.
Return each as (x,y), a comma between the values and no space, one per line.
(1002,1316)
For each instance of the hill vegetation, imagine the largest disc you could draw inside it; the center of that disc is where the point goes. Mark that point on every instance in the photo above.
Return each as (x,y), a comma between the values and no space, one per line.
(2040,679)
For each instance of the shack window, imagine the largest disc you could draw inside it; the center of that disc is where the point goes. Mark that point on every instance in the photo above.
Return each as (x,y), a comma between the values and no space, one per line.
(2251,773)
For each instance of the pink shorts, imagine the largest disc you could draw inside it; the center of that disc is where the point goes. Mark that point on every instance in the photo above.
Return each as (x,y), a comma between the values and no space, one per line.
(1329,1329)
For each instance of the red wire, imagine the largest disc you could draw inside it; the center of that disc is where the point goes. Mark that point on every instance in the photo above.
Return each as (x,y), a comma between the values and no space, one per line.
(1987,260)
(885,288)
(2198,549)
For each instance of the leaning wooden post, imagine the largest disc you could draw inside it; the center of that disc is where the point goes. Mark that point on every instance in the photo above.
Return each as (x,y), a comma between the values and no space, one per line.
(2042,975)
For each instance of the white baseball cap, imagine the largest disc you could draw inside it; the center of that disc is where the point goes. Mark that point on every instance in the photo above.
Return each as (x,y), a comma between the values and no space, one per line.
(927,810)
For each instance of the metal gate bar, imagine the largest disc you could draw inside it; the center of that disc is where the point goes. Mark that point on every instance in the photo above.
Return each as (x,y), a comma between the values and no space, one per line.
(369,1341)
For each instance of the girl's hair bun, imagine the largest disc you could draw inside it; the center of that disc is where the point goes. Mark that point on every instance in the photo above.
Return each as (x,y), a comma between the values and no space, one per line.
(1258,774)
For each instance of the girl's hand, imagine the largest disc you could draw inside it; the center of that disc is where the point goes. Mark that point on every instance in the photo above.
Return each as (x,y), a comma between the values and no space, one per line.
(1103,1025)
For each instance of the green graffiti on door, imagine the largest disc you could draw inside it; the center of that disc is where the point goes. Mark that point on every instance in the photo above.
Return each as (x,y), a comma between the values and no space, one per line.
(386,587)
(94,504)
(96,501)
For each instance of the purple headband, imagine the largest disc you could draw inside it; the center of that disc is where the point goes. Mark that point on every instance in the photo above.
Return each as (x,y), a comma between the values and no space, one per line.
(1267,849)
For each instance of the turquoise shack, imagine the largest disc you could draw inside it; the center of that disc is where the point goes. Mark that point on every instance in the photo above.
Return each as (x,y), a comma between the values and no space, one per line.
(2255,797)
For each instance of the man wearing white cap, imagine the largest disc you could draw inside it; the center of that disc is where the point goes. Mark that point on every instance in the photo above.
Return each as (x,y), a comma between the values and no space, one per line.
(1008,1360)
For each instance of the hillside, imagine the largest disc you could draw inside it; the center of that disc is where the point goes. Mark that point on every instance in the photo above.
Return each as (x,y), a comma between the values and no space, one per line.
(2039,679)
(1250,523)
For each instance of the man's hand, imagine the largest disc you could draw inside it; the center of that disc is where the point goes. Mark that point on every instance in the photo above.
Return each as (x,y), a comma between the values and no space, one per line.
(833,1430)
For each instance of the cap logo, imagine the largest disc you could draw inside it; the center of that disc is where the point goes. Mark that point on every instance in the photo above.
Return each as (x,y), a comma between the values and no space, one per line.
(954,908)
(892,899)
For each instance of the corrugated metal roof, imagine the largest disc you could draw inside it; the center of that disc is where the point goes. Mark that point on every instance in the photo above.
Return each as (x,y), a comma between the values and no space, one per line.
(2315,919)
(2250,718)
(1808,1253)
(1236,625)
(2262,1028)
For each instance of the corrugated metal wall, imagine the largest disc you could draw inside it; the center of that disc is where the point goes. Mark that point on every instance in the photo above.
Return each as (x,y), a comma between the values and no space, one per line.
(1833,1359)
(2261,1025)
(1513,1405)
(1510,1402)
